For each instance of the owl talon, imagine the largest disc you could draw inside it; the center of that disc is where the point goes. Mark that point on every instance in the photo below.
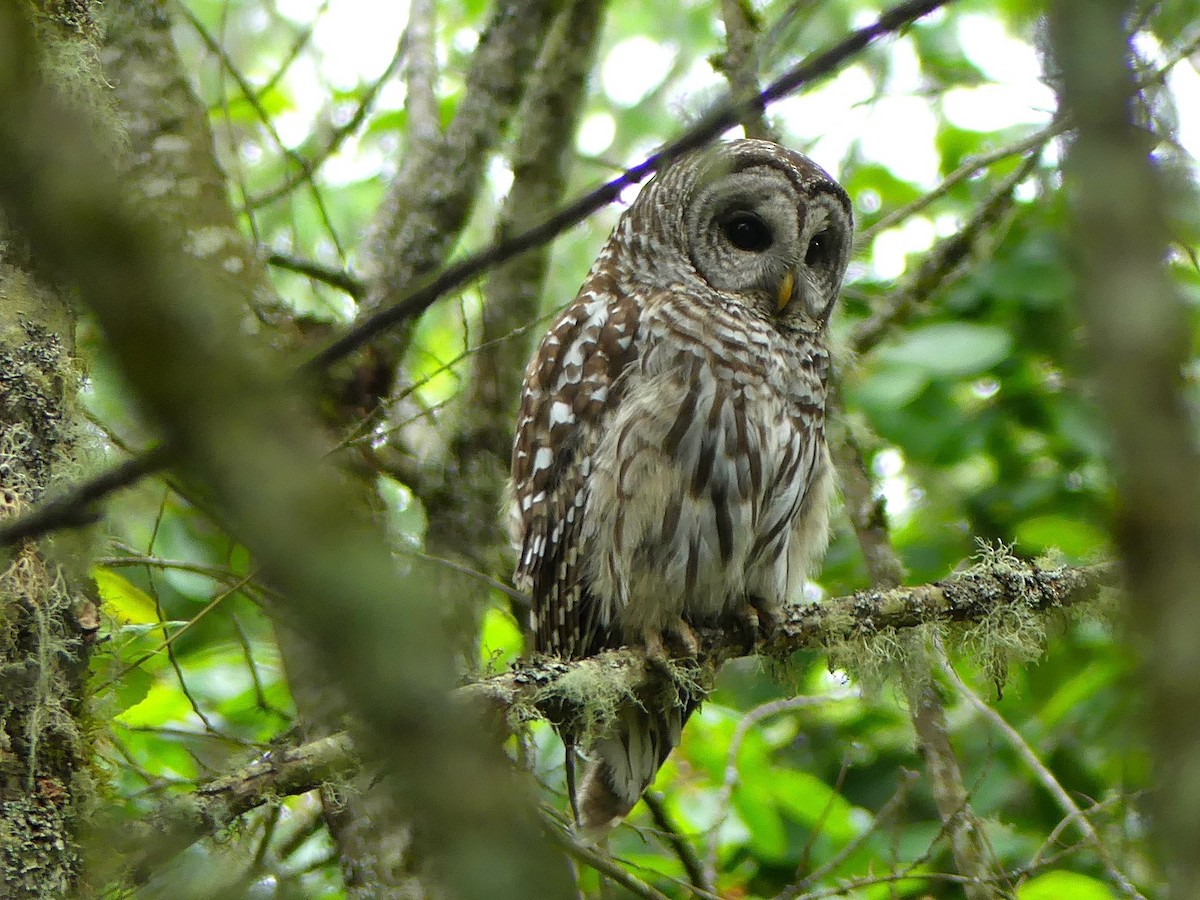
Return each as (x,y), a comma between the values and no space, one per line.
(755,622)
(676,641)
(767,614)
(745,624)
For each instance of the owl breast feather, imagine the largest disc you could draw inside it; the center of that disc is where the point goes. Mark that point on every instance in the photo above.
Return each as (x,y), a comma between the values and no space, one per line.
(710,480)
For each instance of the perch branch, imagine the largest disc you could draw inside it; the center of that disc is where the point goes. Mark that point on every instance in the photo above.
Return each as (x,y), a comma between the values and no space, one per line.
(964,597)
(535,688)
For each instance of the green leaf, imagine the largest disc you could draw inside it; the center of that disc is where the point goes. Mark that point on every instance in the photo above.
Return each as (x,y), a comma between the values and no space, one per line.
(1073,537)
(1059,884)
(890,386)
(123,600)
(164,702)
(809,800)
(755,805)
(951,348)
(501,639)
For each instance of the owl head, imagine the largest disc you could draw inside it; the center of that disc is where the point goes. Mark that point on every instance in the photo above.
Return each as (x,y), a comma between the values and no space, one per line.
(757,223)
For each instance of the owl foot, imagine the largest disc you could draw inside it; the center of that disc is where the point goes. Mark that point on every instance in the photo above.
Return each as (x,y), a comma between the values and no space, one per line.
(754,622)
(676,641)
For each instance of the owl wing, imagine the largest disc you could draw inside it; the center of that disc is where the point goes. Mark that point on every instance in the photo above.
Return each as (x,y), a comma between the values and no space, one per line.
(572,385)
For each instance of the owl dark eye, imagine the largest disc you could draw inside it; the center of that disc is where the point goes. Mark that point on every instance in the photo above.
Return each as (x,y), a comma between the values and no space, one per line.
(746,231)
(819,254)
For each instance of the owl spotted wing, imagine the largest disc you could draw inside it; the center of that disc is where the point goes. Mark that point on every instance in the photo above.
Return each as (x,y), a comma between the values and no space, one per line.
(571,386)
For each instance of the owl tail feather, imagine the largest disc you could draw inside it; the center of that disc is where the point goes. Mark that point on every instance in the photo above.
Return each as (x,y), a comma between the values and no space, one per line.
(622,765)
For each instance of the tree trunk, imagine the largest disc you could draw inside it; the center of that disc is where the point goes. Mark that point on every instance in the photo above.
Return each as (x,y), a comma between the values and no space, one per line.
(46,621)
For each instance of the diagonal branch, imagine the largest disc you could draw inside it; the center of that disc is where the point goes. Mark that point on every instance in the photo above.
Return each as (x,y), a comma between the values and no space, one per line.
(1074,814)
(180,822)
(710,126)
(421,298)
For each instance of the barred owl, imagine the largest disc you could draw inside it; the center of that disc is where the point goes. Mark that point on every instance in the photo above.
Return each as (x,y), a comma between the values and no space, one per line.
(669,467)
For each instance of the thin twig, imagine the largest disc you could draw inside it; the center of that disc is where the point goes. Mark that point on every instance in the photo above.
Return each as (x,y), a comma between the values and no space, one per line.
(1043,775)
(719,119)
(331,275)
(679,842)
(889,809)
(941,264)
(335,139)
(731,775)
(73,508)
(966,169)
(590,855)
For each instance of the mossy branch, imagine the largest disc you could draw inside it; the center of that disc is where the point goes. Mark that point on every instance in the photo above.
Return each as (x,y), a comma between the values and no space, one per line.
(999,589)
(999,595)
(181,821)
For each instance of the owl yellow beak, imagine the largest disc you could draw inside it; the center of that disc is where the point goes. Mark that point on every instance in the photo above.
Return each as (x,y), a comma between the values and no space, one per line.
(785,292)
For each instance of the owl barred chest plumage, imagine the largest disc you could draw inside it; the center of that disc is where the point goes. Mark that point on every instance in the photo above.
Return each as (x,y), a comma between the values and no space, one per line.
(670,465)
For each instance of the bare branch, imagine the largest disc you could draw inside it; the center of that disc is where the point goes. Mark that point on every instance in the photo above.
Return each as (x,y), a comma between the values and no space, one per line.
(462,494)
(1074,814)
(591,855)
(330,139)
(424,122)
(739,63)
(678,842)
(889,809)
(721,118)
(74,508)
(338,278)
(946,259)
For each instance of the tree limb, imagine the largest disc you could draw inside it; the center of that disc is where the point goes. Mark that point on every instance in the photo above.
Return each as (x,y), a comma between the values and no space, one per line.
(215,805)
(972,596)
(545,687)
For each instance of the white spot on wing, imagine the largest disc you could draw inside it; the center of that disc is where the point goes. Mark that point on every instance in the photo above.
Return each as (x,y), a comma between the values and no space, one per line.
(560,413)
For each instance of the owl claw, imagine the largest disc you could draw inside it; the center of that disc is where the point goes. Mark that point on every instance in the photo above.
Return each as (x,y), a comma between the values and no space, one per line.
(677,636)
(755,622)
(768,615)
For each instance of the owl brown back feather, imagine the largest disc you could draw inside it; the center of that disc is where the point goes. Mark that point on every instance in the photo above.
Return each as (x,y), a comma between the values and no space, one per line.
(570,387)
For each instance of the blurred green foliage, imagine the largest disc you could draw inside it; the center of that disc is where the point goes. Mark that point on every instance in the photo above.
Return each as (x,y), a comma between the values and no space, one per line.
(977,416)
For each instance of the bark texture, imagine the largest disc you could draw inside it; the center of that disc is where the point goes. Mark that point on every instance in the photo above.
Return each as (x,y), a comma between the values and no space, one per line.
(46,619)
(1139,330)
